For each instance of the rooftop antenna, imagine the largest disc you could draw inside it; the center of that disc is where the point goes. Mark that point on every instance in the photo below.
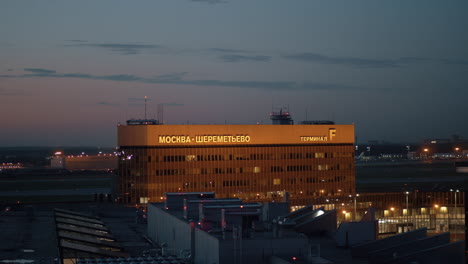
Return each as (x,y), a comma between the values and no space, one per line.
(161,113)
(146,99)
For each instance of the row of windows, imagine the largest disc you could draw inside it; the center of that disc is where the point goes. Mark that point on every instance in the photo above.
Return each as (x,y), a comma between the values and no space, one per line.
(276,181)
(295,168)
(191,157)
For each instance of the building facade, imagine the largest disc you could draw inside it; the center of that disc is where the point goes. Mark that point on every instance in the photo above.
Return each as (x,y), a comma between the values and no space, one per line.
(251,162)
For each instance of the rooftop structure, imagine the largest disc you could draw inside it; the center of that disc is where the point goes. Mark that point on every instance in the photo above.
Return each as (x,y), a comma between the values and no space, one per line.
(317,122)
(233,231)
(133,122)
(281,118)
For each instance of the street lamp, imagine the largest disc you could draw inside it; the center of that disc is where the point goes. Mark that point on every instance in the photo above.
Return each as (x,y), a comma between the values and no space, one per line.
(407,211)
(355,212)
(355,205)
(455,205)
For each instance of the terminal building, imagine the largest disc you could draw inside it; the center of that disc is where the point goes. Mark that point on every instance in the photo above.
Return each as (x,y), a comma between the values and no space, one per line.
(251,162)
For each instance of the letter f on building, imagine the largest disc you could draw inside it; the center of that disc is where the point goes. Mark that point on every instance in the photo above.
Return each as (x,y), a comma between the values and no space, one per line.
(331,133)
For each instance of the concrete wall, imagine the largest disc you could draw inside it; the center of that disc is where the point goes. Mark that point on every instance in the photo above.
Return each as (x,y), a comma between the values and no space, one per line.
(166,228)
(388,254)
(353,233)
(175,232)
(453,253)
(206,248)
(363,250)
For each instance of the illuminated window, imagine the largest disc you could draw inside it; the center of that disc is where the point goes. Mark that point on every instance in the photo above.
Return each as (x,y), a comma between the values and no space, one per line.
(256,169)
(319,155)
(191,158)
(276,181)
(322,167)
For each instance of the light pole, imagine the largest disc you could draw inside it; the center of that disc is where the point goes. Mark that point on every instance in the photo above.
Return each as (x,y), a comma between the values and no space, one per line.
(355,205)
(407,212)
(455,209)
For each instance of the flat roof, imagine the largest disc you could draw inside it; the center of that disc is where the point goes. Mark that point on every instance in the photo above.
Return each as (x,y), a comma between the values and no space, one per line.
(214,135)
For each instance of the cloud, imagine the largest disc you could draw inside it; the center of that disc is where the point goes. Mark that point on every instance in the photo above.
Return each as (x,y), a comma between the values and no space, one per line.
(210,1)
(346,61)
(237,55)
(169,78)
(76,40)
(40,71)
(226,55)
(122,48)
(238,58)
(180,78)
(461,62)
(228,50)
(370,63)
(173,104)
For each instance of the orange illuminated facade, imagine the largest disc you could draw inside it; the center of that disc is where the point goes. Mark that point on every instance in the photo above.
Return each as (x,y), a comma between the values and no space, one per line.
(252,162)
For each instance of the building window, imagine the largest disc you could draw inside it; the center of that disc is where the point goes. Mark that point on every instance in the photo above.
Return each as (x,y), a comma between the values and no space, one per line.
(276,181)
(190,158)
(256,169)
(319,155)
(143,200)
(322,167)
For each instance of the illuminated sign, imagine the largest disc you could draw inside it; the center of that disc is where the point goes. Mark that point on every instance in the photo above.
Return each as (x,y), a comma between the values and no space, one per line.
(331,135)
(174,139)
(314,138)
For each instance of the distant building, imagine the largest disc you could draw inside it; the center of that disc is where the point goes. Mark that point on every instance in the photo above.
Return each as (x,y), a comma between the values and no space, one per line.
(84,162)
(10,166)
(454,148)
(252,162)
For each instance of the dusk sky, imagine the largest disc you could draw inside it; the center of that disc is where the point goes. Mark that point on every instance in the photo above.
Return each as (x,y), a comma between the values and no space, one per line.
(71,70)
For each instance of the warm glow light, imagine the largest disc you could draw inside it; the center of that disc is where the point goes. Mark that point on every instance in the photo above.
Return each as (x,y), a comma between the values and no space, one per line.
(426,150)
(393,209)
(344,212)
(436,205)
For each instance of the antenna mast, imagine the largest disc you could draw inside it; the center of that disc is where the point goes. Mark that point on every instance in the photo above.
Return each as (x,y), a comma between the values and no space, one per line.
(161,113)
(146,98)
